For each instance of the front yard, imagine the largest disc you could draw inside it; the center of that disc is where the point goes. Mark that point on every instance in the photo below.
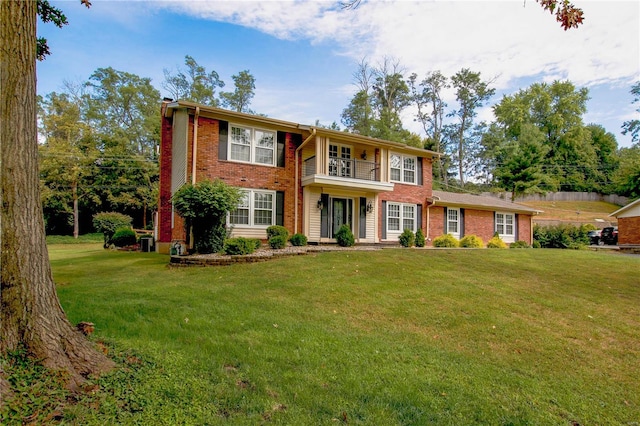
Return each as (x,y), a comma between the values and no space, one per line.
(383,337)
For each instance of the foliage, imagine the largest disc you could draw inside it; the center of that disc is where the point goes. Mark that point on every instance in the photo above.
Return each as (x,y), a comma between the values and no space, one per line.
(109,222)
(471,241)
(497,243)
(565,12)
(407,238)
(633,126)
(204,206)
(277,230)
(420,239)
(194,84)
(519,244)
(241,97)
(124,237)
(446,240)
(562,236)
(278,242)
(626,179)
(240,246)
(298,240)
(345,237)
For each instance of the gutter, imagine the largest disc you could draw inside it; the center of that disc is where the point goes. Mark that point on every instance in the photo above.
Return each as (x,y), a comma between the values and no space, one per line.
(295,220)
(431,203)
(194,154)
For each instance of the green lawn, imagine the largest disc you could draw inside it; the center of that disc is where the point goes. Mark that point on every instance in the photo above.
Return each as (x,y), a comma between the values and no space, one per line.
(392,337)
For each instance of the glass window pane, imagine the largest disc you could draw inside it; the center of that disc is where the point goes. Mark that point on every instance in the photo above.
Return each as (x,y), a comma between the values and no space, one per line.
(395,174)
(395,161)
(239,217)
(394,224)
(409,176)
(262,217)
(264,156)
(240,152)
(410,163)
(262,200)
(264,139)
(240,135)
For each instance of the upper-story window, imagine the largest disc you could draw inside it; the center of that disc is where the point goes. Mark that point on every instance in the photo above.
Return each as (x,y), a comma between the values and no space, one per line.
(403,168)
(340,163)
(252,145)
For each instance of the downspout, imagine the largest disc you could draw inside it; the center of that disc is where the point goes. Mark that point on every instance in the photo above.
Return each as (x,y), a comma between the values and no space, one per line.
(194,153)
(429,205)
(295,220)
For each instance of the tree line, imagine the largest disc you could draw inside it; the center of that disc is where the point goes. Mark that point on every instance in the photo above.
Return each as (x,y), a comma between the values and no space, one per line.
(100,139)
(538,141)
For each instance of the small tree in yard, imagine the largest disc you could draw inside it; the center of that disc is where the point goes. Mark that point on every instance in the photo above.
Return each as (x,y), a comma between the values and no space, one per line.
(204,207)
(109,222)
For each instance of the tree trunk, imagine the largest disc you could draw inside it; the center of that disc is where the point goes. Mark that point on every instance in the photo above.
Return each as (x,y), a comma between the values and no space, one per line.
(76,213)
(30,315)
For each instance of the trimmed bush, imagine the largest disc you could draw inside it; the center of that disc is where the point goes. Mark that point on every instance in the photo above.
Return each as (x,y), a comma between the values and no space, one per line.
(407,238)
(471,241)
(277,230)
(345,237)
(536,244)
(496,242)
(240,246)
(519,244)
(298,240)
(446,240)
(124,237)
(277,242)
(108,223)
(562,236)
(420,240)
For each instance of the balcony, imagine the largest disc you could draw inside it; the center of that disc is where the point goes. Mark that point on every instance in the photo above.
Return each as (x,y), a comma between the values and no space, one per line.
(345,172)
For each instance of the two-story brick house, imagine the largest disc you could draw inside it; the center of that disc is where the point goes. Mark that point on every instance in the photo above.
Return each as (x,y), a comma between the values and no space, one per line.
(309,179)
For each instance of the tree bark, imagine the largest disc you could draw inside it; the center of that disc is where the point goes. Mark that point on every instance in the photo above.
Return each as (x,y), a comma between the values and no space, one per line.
(31,315)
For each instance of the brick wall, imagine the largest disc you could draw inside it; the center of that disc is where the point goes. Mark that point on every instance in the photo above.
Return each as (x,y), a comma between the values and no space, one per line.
(164,204)
(479,223)
(629,230)
(413,194)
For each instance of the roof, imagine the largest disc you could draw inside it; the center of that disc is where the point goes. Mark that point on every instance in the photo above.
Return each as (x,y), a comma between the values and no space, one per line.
(625,208)
(302,128)
(478,202)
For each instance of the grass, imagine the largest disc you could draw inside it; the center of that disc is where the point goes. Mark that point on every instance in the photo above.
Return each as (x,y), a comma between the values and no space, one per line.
(390,337)
(567,210)
(82,239)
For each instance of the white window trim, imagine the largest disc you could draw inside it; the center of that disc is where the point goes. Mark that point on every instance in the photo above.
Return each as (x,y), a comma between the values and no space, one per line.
(455,234)
(252,145)
(402,169)
(507,238)
(392,234)
(251,194)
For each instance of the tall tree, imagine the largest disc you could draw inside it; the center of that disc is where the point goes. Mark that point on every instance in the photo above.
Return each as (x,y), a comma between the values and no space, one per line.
(626,178)
(391,96)
(427,96)
(633,126)
(240,99)
(194,84)
(30,314)
(68,156)
(358,117)
(471,94)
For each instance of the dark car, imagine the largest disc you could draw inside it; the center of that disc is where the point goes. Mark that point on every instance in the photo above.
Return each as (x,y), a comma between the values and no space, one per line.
(594,236)
(609,235)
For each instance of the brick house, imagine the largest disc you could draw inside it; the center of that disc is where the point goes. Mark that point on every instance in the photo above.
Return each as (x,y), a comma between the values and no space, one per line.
(309,179)
(628,224)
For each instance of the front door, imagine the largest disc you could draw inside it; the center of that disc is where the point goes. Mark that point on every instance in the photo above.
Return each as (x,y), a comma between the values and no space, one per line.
(340,214)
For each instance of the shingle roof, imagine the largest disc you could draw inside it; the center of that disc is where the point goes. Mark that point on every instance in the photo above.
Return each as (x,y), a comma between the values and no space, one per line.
(479,202)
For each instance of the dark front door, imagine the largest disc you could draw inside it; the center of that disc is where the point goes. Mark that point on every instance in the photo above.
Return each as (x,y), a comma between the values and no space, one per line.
(340,214)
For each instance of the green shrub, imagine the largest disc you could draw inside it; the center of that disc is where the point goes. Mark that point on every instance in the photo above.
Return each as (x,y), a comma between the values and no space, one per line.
(108,223)
(298,240)
(345,237)
(124,237)
(420,240)
(239,246)
(519,244)
(407,238)
(471,241)
(496,242)
(277,230)
(446,240)
(277,242)
(536,244)
(562,236)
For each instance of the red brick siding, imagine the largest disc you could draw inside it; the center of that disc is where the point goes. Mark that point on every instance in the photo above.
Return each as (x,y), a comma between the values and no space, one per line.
(629,230)
(164,205)
(436,223)
(209,166)
(524,228)
(479,223)
(413,194)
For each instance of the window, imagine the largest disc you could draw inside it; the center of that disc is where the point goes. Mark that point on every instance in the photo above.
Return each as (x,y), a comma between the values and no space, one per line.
(403,168)
(453,222)
(401,217)
(256,209)
(252,145)
(340,160)
(505,226)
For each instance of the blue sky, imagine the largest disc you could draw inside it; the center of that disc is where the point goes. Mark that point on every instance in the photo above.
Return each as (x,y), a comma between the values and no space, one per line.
(303,53)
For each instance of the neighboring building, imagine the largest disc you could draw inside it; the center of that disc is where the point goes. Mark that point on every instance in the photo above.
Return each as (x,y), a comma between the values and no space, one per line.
(628,223)
(483,216)
(309,179)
